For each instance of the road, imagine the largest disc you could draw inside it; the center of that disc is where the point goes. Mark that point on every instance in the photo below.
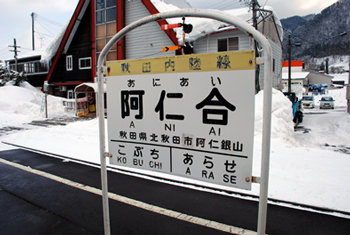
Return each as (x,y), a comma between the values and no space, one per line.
(46,195)
(324,127)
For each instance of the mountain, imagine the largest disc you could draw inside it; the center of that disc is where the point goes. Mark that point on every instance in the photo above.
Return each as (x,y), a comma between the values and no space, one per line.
(292,23)
(319,35)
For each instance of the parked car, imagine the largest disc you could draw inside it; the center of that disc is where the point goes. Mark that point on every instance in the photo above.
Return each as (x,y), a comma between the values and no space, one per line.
(297,107)
(308,101)
(327,102)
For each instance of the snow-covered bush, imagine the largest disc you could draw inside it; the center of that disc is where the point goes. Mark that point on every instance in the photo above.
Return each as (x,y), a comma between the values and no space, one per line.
(10,76)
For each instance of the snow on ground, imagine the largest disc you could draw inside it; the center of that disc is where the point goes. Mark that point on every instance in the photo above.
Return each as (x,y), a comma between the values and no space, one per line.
(308,168)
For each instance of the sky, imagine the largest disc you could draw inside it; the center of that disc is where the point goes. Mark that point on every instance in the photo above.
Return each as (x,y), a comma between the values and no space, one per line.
(283,8)
(16,22)
(52,15)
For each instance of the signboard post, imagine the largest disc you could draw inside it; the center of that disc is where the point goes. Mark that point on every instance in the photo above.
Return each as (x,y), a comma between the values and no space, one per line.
(191,116)
(131,102)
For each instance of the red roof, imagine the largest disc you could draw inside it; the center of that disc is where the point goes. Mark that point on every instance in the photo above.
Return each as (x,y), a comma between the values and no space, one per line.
(296,63)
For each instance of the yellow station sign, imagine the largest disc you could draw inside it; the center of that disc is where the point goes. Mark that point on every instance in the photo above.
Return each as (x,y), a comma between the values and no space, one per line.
(224,61)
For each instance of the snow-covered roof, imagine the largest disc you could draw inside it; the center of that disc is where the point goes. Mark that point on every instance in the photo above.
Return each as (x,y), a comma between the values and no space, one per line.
(84,87)
(321,74)
(29,54)
(295,75)
(204,26)
(51,49)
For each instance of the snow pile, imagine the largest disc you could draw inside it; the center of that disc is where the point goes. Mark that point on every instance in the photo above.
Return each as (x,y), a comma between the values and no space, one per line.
(282,116)
(20,105)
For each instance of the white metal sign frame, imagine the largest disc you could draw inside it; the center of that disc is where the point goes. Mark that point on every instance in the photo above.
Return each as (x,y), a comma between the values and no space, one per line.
(267,52)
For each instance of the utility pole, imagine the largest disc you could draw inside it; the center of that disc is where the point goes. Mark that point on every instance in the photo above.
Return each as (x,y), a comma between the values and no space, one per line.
(290,61)
(289,64)
(342,35)
(33,38)
(255,6)
(15,51)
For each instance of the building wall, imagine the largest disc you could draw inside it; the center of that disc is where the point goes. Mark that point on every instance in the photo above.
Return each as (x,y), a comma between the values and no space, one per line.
(293,69)
(277,73)
(209,43)
(146,41)
(36,80)
(297,86)
(317,78)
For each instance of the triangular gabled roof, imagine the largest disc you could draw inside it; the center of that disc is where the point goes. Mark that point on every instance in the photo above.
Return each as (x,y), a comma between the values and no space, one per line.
(69,33)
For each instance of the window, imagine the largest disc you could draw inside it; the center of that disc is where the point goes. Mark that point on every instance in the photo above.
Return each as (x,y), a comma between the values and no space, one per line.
(85,63)
(112,56)
(100,44)
(111,3)
(100,31)
(228,44)
(100,4)
(100,17)
(29,68)
(69,63)
(111,29)
(106,12)
(111,14)
(106,26)
(222,44)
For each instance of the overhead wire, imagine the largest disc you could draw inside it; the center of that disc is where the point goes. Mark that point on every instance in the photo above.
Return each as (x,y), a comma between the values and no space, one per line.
(44,27)
(230,5)
(265,3)
(224,5)
(52,22)
(215,4)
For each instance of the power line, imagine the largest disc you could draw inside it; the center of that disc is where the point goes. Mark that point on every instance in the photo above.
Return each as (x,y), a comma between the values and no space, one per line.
(224,4)
(215,4)
(48,20)
(230,5)
(51,34)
